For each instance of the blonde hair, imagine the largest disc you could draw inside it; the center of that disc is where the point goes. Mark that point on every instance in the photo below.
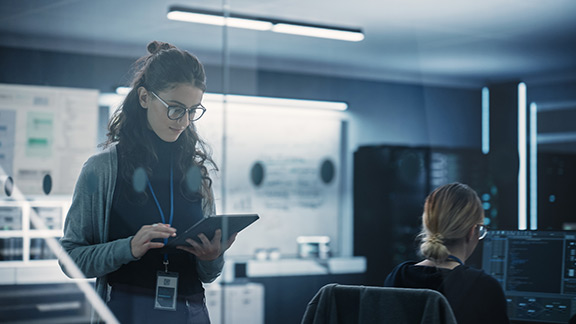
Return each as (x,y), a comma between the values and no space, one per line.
(449,213)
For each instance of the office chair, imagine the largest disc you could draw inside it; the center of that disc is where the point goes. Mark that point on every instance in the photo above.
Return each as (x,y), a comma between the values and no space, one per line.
(344,304)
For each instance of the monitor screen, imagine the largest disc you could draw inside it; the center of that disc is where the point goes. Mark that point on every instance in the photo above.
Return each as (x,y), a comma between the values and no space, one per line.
(537,271)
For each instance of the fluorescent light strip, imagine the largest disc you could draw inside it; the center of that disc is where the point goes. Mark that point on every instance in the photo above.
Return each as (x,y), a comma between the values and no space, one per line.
(296,103)
(320,32)
(123,90)
(248,24)
(522,174)
(110,99)
(485,120)
(533,166)
(264,24)
(278,102)
(220,20)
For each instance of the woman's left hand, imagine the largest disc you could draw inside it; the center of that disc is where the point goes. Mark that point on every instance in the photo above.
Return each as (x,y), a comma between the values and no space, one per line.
(208,250)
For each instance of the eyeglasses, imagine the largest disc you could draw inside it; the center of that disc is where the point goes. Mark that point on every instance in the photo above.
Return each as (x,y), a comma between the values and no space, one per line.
(482,231)
(176,112)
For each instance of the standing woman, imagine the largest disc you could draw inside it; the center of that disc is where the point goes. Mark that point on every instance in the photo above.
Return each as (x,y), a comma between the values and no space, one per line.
(452,225)
(151,179)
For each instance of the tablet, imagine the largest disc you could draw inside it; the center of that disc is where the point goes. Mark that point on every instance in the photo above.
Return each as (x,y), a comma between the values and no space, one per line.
(209,225)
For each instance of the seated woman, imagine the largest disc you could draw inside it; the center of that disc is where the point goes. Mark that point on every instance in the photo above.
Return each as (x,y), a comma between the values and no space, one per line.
(452,225)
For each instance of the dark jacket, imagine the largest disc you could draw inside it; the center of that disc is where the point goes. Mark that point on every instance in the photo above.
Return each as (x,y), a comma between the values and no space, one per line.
(475,297)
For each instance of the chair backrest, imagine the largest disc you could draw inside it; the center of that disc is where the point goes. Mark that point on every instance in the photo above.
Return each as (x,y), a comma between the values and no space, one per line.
(345,304)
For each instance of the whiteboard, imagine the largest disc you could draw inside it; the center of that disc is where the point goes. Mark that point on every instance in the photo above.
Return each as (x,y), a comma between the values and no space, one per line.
(282,163)
(46,134)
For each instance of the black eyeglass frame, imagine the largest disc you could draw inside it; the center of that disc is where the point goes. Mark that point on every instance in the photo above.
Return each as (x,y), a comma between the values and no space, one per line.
(192,111)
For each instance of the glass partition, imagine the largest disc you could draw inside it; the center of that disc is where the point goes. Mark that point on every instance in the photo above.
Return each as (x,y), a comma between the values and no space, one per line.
(334,144)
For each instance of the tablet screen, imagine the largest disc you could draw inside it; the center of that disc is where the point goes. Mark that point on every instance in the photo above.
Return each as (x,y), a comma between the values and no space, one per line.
(230,223)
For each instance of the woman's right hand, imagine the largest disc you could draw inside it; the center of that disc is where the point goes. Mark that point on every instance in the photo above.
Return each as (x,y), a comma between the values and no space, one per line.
(142,241)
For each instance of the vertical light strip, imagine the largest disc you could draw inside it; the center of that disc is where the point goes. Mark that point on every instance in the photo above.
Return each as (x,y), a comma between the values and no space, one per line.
(533,166)
(485,120)
(522,158)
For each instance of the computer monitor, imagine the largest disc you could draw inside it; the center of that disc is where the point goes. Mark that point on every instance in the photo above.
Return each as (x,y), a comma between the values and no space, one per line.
(537,271)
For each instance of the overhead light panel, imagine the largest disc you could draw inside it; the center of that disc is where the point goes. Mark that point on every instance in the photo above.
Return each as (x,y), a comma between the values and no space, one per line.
(321,32)
(123,90)
(264,24)
(210,18)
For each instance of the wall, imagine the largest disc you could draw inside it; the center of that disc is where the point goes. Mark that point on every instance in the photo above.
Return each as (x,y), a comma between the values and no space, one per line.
(379,112)
(386,112)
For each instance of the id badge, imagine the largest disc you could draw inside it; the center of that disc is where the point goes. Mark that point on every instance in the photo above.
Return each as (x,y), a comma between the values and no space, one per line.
(166,290)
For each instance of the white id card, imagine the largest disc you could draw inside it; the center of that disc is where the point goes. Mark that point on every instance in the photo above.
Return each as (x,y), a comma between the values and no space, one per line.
(166,290)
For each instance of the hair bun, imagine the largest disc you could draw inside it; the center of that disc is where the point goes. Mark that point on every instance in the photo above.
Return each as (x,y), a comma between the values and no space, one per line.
(156,47)
(436,238)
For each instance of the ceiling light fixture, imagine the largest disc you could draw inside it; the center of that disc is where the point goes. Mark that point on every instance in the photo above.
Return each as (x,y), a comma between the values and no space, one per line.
(213,18)
(264,24)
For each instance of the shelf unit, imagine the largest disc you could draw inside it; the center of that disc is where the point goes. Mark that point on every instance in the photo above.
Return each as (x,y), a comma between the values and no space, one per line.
(25,227)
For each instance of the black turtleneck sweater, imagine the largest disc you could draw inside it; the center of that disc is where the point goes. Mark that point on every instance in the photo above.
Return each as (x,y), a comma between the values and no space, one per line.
(130,211)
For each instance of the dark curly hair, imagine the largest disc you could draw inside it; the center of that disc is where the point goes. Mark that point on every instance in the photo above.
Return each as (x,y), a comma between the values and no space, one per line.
(165,67)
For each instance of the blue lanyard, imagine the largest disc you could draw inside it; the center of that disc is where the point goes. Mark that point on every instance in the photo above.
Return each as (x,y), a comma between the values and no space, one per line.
(453,258)
(171,204)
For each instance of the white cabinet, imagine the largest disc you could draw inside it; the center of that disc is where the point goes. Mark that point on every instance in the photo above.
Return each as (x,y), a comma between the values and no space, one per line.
(243,303)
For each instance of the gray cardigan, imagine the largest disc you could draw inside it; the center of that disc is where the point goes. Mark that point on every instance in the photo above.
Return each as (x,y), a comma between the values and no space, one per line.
(86,228)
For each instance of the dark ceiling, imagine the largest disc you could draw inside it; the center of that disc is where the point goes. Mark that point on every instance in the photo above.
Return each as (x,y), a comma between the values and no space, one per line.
(445,41)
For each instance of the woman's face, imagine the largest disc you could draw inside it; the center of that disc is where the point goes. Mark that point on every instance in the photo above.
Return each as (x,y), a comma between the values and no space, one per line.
(184,95)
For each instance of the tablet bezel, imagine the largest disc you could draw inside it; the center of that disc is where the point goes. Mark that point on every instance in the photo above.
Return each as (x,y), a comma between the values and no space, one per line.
(208,225)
